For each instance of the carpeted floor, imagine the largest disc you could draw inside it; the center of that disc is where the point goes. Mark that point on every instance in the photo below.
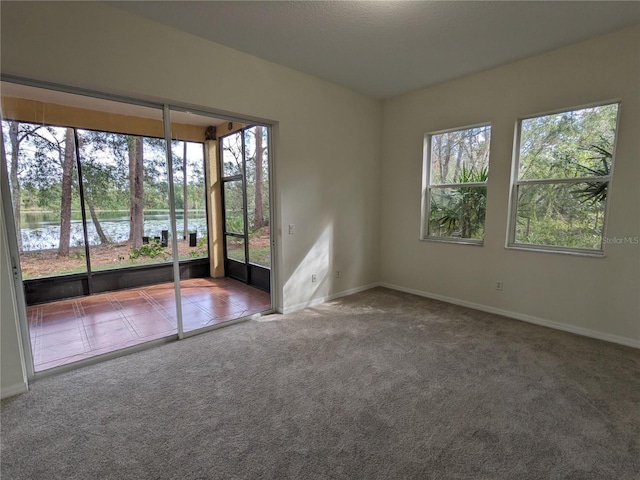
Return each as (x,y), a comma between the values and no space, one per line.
(378,385)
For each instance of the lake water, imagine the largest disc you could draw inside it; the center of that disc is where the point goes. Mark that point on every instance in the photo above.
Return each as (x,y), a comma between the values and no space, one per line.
(41,230)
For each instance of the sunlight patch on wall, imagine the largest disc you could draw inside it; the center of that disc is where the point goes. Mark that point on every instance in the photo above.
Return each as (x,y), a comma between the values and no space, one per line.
(300,290)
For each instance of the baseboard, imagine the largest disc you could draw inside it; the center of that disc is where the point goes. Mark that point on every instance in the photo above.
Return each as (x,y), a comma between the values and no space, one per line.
(629,342)
(328,298)
(14,389)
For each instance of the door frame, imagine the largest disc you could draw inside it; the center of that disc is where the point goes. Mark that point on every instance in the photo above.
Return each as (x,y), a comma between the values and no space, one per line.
(16,270)
(250,273)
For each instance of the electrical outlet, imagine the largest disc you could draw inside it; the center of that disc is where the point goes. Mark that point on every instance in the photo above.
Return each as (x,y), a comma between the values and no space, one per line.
(292,229)
(314,277)
(337,273)
(499,286)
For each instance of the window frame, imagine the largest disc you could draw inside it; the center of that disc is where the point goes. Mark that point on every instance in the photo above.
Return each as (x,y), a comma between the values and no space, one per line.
(425,204)
(516,182)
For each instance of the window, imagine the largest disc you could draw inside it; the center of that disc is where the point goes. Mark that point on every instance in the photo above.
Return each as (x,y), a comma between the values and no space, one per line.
(564,167)
(455,172)
(89,187)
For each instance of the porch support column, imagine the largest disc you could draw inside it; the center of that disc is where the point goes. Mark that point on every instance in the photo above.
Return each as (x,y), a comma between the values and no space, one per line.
(214,200)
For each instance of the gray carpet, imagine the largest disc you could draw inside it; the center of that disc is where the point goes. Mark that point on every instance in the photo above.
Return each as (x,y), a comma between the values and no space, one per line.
(378,385)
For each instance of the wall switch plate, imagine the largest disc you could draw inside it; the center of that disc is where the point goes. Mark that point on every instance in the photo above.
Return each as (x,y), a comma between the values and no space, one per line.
(314,277)
(292,229)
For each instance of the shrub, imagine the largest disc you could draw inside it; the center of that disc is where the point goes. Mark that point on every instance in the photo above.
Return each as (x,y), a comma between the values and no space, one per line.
(152,250)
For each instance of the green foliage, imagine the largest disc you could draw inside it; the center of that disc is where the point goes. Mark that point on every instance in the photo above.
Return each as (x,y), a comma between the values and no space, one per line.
(152,250)
(460,211)
(551,214)
(595,192)
(232,165)
(459,157)
(235,224)
(568,145)
(105,176)
(560,145)
(105,170)
(201,250)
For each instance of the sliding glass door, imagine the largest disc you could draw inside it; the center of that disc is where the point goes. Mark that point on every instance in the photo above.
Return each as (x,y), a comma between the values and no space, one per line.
(199,189)
(121,232)
(89,199)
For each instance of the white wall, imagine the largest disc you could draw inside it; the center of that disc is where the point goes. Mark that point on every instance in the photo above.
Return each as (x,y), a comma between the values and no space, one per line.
(594,296)
(327,138)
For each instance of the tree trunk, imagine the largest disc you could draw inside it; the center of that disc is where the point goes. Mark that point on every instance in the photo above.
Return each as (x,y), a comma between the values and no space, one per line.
(437,145)
(258,218)
(185,200)
(96,222)
(456,172)
(16,197)
(136,191)
(446,158)
(131,152)
(65,200)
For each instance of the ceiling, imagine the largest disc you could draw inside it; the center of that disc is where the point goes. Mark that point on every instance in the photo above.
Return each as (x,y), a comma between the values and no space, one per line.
(386,48)
(56,97)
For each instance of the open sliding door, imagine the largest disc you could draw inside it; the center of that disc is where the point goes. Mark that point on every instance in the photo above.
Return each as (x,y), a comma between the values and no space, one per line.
(119,234)
(245,197)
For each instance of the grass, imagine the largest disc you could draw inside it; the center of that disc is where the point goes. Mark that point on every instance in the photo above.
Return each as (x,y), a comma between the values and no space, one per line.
(258,255)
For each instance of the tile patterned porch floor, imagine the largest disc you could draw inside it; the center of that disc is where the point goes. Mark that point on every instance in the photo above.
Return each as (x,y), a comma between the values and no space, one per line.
(70,330)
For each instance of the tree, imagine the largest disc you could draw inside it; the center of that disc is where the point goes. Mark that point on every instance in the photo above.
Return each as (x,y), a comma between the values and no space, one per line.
(595,192)
(91,181)
(156,185)
(258,218)
(13,178)
(136,189)
(66,191)
(94,218)
(18,132)
(98,180)
(185,202)
(462,211)
(46,167)
(232,155)
(457,158)
(564,150)
(232,165)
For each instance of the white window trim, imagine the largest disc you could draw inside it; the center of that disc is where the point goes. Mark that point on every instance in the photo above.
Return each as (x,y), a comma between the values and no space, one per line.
(426,188)
(515,183)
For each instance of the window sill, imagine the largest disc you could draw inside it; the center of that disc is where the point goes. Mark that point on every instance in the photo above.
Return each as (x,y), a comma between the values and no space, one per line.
(557,250)
(455,241)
